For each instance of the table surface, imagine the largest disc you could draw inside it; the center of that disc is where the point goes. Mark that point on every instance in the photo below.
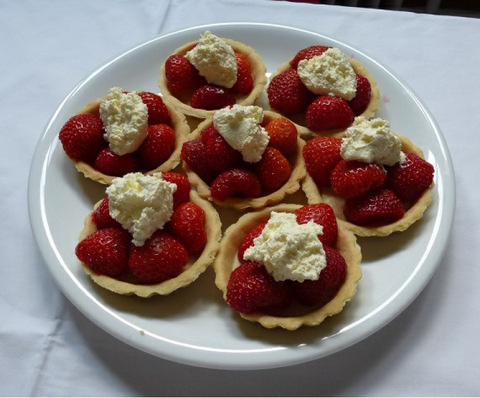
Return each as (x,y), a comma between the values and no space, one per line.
(48,47)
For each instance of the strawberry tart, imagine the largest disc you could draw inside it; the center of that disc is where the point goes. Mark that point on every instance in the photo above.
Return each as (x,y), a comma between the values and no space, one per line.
(244,157)
(150,235)
(288,266)
(122,133)
(211,73)
(322,90)
(377,181)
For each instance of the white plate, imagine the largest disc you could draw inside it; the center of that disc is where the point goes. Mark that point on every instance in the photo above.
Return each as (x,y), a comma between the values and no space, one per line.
(194,326)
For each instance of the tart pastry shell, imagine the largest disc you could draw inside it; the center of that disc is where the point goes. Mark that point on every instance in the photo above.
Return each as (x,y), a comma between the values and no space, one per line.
(414,213)
(192,270)
(226,261)
(257,65)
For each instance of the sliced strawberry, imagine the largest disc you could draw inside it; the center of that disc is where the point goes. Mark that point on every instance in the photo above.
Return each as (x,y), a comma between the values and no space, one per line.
(102,218)
(307,53)
(251,288)
(244,83)
(321,155)
(162,257)
(319,292)
(82,137)
(410,178)
(105,251)
(188,226)
(235,183)
(157,110)
(157,146)
(362,97)
(109,163)
(182,194)
(182,77)
(220,156)
(322,214)
(282,135)
(210,97)
(351,178)
(247,241)
(193,153)
(273,169)
(328,112)
(377,208)
(287,94)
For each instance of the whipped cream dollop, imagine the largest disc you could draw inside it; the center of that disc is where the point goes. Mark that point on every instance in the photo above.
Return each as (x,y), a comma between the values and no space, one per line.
(329,73)
(215,59)
(141,203)
(239,125)
(124,117)
(371,141)
(288,250)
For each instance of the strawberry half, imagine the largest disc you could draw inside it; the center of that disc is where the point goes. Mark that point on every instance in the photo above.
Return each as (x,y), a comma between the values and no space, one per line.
(193,153)
(188,226)
(220,156)
(351,178)
(109,163)
(235,183)
(378,208)
(182,77)
(244,82)
(157,110)
(105,251)
(101,216)
(321,155)
(362,97)
(210,97)
(322,214)
(157,146)
(410,178)
(319,292)
(328,112)
(287,94)
(251,288)
(82,137)
(282,135)
(273,169)
(182,194)
(162,257)
(247,241)
(307,53)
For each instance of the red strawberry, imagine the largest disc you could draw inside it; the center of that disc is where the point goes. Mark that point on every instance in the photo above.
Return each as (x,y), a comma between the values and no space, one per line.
(273,169)
(182,194)
(235,183)
(351,178)
(220,156)
(247,241)
(157,110)
(282,135)
(105,251)
(251,288)
(211,97)
(182,76)
(307,53)
(287,94)
(82,137)
(157,146)
(244,83)
(322,214)
(410,178)
(321,155)
(188,226)
(102,218)
(362,97)
(328,112)
(162,257)
(193,153)
(377,208)
(319,292)
(109,163)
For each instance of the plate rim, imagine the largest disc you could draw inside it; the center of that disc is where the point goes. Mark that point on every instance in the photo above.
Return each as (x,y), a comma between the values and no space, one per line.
(36,185)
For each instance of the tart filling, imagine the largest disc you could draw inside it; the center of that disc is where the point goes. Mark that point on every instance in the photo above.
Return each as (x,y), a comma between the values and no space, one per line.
(154,241)
(321,77)
(220,71)
(261,171)
(289,314)
(140,131)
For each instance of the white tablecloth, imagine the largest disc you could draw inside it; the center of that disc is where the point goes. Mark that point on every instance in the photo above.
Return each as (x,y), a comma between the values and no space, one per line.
(49,348)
